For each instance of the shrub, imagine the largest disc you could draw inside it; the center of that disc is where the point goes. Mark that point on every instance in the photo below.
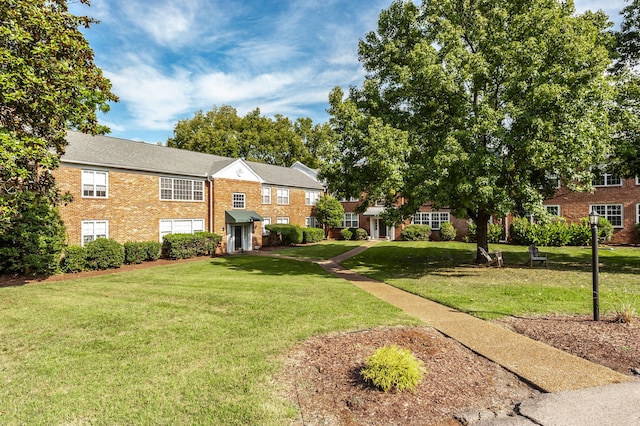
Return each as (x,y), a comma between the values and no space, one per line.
(360,234)
(346,234)
(184,246)
(312,235)
(447,231)
(74,259)
(393,367)
(416,233)
(134,252)
(625,313)
(494,233)
(153,249)
(206,243)
(104,253)
(280,234)
(638,231)
(579,235)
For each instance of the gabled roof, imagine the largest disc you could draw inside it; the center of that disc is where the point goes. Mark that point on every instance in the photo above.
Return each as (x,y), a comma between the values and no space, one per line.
(110,152)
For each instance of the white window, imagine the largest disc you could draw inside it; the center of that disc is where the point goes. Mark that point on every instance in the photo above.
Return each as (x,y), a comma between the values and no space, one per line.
(282,220)
(349,200)
(265,221)
(239,201)
(613,213)
(94,229)
(350,220)
(553,210)
(311,222)
(95,184)
(266,195)
(180,226)
(637,213)
(607,179)
(181,189)
(433,219)
(637,180)
(311,197)
(283,196)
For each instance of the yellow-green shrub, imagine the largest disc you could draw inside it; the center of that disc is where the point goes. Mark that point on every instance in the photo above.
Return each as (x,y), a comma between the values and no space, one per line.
(393,367)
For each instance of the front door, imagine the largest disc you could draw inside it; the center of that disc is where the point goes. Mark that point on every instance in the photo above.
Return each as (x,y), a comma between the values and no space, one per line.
(382,229)
(237,238)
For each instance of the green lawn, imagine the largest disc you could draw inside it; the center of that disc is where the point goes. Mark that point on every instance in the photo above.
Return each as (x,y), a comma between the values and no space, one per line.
(323,250)
(192,343)
(445,272)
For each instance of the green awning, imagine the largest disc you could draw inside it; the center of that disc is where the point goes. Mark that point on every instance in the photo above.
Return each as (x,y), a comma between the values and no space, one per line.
(242,216)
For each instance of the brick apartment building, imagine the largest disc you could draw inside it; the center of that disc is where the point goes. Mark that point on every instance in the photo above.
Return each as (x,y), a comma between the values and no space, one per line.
(134,191)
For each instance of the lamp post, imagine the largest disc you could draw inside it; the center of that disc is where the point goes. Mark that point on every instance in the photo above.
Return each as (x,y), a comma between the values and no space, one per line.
(593,221)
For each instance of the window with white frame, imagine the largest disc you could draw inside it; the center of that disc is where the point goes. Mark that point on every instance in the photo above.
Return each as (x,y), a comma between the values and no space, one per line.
(283,196)
(181,189)
(637,213)
(266,195)
(553,210)
(180,226)
(311,197)
(311,222)
(239,201)
(95,184)
(607,179)
(94,229)
(265,221)
(637,180)
(351,220)
(433,219)
(282,220)
(613,213)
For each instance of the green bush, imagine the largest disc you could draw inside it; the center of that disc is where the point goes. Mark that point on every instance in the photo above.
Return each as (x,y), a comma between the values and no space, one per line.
(184,246)
(391,367)
(579,235)
(494,233)
(416,233)
(346,234)
(280,234)
(447,231)
(153,250)
(206,243)
(74,259)
(312,235)
(104,253)
(360,234)
(134,252)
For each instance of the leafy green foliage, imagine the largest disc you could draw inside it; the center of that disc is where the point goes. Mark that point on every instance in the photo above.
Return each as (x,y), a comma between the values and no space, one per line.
(134,252)
(416,233)
(74,259)
(154,249)
(494,233)
(184,246)
(557,232)
(329,211)
(447,231)
(104,253)
(312,235)
(346,234)
(253,137)
(391,367)
(359,234)
(34,243)
(284,234)
(475,106)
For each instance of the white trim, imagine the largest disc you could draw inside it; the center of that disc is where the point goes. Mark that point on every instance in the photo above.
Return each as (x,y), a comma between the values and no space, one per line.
(266,189)
(311,197)
(94,173)
(95,235)
(170,226)
(607,214)
(546,206)
(239,200)
(265,221)
(606,177)
(638,213)
(173,189)
(351,220)
(238,170)
(278,196)
(428,218)
(282,220)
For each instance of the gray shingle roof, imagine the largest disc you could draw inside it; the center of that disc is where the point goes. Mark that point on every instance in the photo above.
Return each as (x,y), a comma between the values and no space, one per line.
(106,151)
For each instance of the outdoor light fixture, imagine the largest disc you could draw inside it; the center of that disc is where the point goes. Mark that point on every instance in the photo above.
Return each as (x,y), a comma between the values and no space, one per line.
(593,221)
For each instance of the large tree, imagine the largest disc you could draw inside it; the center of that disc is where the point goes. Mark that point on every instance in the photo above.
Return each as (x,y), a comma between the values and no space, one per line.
(475,105)
(254,137)
(48,84)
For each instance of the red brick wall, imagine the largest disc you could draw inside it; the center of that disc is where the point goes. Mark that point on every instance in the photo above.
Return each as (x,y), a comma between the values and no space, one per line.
(133,207)
(576,205)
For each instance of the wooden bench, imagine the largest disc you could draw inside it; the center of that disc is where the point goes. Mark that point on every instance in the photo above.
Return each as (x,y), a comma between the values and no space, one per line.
(536,256)
(492,258)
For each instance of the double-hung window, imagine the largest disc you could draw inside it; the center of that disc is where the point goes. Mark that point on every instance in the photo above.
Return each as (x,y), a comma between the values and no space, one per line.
(350,220)
(607,179)
(283,196)
(181,189)
(433,219)
(95,184)
(613,213)
(265,221)
(180,226)
(311,197)
(266,195)
(282,220)
(553,210)
(239,201)
(94,229)
(311,222)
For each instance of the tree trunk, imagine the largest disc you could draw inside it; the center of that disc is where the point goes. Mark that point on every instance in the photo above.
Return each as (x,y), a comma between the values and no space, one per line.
(482,226)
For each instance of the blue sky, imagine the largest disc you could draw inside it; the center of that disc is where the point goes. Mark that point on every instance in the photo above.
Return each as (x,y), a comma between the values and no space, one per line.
(168,59)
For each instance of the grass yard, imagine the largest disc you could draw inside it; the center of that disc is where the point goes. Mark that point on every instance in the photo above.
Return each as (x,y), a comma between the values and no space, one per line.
(445,272)
(192,343)
(321,251)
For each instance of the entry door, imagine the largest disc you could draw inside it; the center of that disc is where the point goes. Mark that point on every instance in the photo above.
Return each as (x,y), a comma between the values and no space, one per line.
(382,229)
(237,238)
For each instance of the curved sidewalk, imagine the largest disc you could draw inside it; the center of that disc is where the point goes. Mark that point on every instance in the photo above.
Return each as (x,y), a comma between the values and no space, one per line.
(547,368)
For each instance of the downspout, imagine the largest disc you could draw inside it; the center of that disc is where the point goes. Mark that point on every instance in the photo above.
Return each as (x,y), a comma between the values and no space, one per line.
(210,180)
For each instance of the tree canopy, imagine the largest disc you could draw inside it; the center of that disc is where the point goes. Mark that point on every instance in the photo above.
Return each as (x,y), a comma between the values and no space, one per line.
(475,105)
(254,137)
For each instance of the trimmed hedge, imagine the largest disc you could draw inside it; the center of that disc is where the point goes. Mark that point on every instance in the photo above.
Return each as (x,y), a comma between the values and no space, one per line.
(281,234)
(153,250)
(359,234)
(104,253)
(134,252)
(346,234)
(416,233)
(557,232)
(447,231)
(184,246)
(312,235)
(74,259)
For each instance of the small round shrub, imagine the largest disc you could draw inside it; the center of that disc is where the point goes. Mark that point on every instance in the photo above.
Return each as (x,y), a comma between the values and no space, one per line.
(104,253)
(360,234)
(312,235)
(346,234)
(74,259)
(134,252)
(153,250)
(416,233)
(391,367)
(447,231)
